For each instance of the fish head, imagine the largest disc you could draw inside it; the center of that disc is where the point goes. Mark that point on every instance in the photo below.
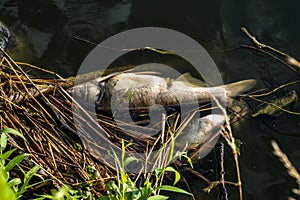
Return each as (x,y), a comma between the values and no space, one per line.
(214,119)
(89,92)
(204,132)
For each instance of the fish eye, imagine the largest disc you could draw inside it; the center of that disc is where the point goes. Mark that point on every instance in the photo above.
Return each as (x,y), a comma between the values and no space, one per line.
(101,87)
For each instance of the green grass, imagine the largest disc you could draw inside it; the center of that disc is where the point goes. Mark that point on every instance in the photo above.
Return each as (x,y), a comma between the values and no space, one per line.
(126,189)
(13,188)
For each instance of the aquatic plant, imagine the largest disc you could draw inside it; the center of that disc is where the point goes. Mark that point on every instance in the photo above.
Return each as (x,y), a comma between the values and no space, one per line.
(126,189)
(13,188)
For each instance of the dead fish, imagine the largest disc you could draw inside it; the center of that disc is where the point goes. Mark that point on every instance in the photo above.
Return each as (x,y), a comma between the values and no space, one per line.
(145,89)
(202,131)
(19,96)
(272,108)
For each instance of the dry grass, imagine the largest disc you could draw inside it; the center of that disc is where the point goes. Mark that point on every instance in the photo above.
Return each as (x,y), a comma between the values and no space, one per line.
(292,171)
(40,110)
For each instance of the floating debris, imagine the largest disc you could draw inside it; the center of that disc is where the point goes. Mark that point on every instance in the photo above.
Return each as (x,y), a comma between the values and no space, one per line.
(274,107)
(238,110)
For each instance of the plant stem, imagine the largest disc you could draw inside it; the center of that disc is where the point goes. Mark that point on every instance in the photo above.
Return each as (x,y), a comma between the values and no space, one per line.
(238,173)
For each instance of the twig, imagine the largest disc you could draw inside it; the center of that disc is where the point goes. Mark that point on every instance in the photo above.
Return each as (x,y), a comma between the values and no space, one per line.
(41,69)
(219,148)
(271,55)
(261,45)
(228,136)
(151,49)
(291,60)
(271,92)
(194,172)
(49,173)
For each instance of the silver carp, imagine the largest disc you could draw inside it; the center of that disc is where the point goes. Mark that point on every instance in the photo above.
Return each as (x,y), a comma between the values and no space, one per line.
(146,89)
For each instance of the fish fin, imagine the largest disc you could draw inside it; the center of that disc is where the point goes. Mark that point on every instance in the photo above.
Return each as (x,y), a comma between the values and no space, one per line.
(146,73)
(114,74)
(187,77)
(235,89)
(105,78)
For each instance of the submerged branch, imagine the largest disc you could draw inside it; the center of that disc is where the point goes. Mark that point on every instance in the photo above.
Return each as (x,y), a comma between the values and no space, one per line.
(228,136)
(221,171)
(289,59)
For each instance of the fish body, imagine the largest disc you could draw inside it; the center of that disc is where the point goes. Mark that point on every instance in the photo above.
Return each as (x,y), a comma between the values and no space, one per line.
(146,89)
(203,132)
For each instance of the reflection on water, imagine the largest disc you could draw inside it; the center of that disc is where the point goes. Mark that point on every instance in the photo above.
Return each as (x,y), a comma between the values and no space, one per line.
(45,30)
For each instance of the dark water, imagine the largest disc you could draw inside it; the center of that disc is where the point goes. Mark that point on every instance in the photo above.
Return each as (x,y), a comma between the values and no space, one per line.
(45,29)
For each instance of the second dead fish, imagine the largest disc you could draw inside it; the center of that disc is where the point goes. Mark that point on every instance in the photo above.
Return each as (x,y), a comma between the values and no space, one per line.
(201,131)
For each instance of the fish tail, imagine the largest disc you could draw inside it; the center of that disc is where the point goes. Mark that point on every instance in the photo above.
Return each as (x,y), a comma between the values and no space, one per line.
(235,89)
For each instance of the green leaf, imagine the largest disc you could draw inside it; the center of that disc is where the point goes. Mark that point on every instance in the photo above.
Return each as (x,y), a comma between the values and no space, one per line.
(111,186)
(189,161)
(12,131)
(134,194)
(7,154)
(31,173)
(238,145)
(129,160)
(6,192)
(123,177)
(184,155)
(44,196)
(3,141)
(158,172)
(32,185)
(15,161)
(173,189)
(158,197)
(4,173)
(177,174)
(104,198)
(62,193)
(172,147)
(147,190)
(14,182)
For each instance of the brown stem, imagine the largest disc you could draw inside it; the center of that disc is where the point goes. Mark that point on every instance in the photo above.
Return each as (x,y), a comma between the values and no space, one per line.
(219,148)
